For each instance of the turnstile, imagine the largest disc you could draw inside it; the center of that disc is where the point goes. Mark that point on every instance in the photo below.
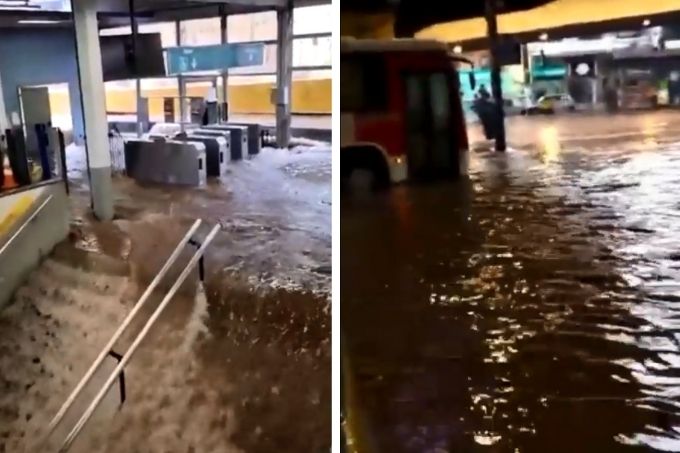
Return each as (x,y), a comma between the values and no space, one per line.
(254,136)
(217,152)
(234,148)
(239,138)
(166,162)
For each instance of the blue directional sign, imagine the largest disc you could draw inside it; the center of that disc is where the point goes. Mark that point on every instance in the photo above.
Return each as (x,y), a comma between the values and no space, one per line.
(208,58)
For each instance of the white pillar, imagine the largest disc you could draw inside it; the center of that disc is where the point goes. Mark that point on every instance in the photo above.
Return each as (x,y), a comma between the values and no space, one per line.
(284,74)
(4,124)
(94,107)
(224,38)
(138,82)
(180,79)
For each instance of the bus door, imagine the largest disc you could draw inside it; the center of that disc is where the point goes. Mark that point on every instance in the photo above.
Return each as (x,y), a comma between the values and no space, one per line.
(431,148)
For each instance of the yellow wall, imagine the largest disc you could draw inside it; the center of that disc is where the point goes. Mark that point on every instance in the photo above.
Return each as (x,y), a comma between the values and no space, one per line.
(60,102)
(557,13)
(367,26)
(13,207)
(307,96)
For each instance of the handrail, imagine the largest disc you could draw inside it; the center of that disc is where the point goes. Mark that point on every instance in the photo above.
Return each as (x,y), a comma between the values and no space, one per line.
(135,344)
(126,322)
(23,226)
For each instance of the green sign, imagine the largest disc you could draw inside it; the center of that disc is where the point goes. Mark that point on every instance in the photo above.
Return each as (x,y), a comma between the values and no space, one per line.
(544,68)
(209,58)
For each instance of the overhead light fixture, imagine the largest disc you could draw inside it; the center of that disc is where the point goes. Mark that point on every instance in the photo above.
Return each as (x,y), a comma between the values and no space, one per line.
(646,23)
(458,49)
(16,4)
(543,37)
(38,21)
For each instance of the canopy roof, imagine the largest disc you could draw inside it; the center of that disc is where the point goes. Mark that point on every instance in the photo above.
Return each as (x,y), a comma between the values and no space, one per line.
(413,15)
(552,15)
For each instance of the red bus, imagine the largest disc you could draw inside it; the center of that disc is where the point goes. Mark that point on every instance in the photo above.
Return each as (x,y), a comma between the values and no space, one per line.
(401,112)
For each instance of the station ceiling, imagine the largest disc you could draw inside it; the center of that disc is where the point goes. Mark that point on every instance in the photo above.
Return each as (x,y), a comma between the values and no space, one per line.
(176,8)
(115,12)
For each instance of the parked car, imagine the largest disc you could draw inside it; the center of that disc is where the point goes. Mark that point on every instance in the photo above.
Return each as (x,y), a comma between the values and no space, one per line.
(551,103)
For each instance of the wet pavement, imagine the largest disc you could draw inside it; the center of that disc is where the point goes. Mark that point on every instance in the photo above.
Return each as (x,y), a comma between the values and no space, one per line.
(241,364)
(532,308)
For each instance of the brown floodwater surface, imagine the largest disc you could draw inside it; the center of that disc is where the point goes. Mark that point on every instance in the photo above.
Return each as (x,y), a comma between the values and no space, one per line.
(534,307)
(242,364)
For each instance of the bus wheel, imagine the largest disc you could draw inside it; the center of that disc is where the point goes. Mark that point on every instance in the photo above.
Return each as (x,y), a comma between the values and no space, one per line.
(362,180)
(363,169)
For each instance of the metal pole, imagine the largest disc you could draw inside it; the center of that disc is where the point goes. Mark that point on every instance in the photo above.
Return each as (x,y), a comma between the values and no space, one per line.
(284,74)
(138,82)
(492,28)
(225,74)
(126,322)
(135,344)
(180,78)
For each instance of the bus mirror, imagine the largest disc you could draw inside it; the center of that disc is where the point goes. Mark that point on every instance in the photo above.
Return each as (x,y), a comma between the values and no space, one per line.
(473,81)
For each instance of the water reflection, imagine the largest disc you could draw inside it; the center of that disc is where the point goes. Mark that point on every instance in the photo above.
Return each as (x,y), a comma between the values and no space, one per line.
(533,308)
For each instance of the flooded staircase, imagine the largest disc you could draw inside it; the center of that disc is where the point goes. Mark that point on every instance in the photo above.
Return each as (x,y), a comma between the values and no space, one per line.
(67,309)
(76,307)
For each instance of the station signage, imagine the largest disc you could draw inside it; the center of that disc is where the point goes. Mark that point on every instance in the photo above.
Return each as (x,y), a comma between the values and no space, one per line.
(186,59)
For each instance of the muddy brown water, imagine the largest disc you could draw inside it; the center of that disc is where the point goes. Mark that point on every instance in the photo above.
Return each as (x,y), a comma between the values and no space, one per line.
(241,364)
(532,308)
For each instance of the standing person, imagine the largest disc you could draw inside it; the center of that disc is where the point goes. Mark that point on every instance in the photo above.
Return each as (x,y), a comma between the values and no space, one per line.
(484,93)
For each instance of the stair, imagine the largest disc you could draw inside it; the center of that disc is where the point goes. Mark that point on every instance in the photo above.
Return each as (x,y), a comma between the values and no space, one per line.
(55,324)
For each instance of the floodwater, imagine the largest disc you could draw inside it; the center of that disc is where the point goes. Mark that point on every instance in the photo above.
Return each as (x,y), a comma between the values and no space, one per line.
(534,307)
(239,364)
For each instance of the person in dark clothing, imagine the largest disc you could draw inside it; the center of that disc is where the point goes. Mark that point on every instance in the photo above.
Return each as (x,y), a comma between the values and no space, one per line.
(484,93)
(485,111)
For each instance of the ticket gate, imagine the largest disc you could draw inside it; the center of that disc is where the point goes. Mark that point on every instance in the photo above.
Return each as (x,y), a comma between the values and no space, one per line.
(217,153)
(254,136)
(166,162)
(235,149)
(239,138)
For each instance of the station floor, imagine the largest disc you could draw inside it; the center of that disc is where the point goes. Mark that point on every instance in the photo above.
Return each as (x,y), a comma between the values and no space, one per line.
(532,307)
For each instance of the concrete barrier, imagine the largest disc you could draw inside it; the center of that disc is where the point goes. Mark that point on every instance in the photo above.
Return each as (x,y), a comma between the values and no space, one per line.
(37,239)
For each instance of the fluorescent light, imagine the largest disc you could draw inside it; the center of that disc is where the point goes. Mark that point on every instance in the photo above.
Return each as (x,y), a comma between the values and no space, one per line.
(646,23)
(39,21)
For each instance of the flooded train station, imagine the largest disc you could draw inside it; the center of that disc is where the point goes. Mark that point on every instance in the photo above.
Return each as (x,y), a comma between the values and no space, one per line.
(530,308)
(165,227)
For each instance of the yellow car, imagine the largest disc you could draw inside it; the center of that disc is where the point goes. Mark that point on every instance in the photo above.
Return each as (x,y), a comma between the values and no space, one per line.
(551,103)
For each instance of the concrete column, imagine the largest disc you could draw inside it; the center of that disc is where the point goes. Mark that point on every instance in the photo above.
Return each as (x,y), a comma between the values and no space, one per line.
(225,74)
(180,78)
(284,74)
(138,82)
(94,107)
(4,124)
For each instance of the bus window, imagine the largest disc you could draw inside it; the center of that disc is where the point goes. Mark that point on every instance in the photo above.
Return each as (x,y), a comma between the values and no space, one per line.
(441,121)
(363,84)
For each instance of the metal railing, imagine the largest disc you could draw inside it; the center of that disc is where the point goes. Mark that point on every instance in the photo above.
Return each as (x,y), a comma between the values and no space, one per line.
(23,226)
(125,358)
